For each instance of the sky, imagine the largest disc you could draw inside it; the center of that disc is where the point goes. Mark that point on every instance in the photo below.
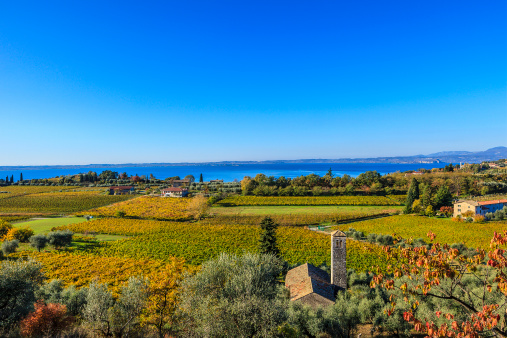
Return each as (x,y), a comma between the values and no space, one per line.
(196,81)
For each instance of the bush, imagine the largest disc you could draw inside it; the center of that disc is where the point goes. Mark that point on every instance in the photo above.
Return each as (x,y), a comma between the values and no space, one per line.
(9,247)
(479,219)
(467,214)
(46,321)
(120,214)
(447,211)
(429,211)
(59,239)
(4,228)
(469,220)
(21,234)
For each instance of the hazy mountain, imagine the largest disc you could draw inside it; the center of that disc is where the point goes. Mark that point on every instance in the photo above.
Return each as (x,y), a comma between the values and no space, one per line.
(492,154)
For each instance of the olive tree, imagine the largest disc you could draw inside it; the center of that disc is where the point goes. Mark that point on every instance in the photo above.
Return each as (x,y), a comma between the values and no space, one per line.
(60,238)
(115,317)
(18,282)
(39,241)
(234,296)
(9,247)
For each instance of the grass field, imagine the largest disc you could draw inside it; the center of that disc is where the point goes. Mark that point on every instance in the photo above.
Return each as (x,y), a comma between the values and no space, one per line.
(41,226)
(447,231)
(291,210)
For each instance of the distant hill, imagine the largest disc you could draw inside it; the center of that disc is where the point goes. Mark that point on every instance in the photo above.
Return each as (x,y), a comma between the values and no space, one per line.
(492,154)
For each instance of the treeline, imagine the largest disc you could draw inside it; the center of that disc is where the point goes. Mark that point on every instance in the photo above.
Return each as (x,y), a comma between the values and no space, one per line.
(372,183)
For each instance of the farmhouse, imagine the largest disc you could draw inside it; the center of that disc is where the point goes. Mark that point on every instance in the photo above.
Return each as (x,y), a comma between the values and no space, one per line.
(311,285)
(174,192)
(121,190)
(478,207)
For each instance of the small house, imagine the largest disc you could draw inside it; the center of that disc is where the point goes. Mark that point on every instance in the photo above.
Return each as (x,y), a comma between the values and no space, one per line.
(121,190)
(174,192)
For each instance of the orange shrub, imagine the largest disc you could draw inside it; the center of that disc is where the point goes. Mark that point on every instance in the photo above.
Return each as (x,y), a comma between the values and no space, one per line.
(46,321)
(479,219)
(21,234)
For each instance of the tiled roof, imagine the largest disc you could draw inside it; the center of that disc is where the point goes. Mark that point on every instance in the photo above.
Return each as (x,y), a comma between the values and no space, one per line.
(307,279)
(338,233)
(492,202)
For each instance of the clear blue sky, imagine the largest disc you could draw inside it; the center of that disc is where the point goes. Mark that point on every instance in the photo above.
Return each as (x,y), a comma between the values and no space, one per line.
(173,81)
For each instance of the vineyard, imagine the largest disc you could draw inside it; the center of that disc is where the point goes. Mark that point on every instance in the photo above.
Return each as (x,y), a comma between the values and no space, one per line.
(296,219)
(80,270)
(57,202)
(300,200)
(146,207)
(197,243)
(119,226)
(471,234)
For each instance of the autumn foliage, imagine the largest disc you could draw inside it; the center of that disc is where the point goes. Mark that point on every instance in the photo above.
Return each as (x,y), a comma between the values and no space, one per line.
(47,320)
(442,272)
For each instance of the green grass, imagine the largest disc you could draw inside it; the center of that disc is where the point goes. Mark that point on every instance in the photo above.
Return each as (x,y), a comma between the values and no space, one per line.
(41,226)
(291,210)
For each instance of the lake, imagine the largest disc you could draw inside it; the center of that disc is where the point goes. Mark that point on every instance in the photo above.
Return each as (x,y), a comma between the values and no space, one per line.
(229,172)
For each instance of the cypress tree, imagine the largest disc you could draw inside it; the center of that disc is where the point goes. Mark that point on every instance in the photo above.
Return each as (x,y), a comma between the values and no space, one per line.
(12,178)
(426,196)
(201,179)
(21,177)
(412,195)
(267,242)
(7,179)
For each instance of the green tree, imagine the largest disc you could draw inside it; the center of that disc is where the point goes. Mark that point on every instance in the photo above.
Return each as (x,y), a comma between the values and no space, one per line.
(267,242)
(234,296)
(39,241)
(443,197)
(21,177)
(201,179)
(412,195)
(60,238)
(116,317)
(426,196)
(9,247)
(18,282)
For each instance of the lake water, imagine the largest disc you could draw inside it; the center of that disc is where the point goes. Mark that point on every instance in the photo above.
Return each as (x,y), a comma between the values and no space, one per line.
(229,173)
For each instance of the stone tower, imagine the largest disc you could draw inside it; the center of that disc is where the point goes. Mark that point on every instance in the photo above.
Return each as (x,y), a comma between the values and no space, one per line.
(339,259)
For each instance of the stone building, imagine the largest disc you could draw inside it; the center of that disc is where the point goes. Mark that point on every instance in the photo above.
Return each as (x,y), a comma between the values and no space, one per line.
(311,285)
(478,207)
(339,259)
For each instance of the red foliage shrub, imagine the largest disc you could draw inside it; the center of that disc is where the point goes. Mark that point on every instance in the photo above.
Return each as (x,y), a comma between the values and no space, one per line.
(46,320)
(447,211)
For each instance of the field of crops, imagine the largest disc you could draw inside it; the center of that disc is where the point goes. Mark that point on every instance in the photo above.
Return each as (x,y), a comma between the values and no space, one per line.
(58,202)
(147,207)
(398,198)
(471,234)
(300,200)
(80,270)
(197,243)
(121,226)
(292,220)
